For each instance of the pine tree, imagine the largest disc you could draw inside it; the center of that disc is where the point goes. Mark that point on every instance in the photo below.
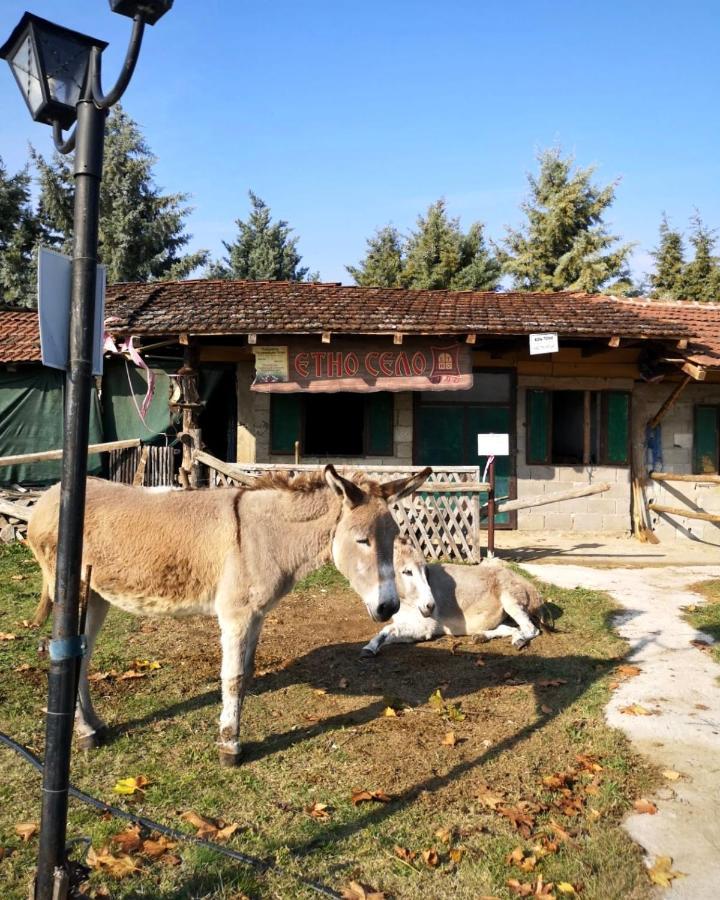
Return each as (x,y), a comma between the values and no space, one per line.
(262,251)
(699,280)
(565,244)
(19,235)
(440,257)
(383,263)
(666,280)
(142,232)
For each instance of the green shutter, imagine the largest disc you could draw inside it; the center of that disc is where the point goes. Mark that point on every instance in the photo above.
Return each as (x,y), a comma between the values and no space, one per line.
(285,422)
(379,424)
(705,440)
(617,428)
(538,427)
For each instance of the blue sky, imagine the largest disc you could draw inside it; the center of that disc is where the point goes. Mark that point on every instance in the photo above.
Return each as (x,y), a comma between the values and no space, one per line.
(345,116)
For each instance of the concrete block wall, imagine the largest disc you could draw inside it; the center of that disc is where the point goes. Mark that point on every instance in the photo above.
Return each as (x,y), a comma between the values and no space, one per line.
(608,512)
(677,452)
(402,437)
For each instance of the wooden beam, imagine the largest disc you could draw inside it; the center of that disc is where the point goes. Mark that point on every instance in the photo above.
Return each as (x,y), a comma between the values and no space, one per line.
(461,487)
(587,428)
(471,339)
(252,338)
(557,497)
(57,454)
(672,476)
(326,337)
(684,513)
(397,337)
(15,510)
(227,469)
(696,372)
(614,341)
(669,403)
(682,344)
(184,339)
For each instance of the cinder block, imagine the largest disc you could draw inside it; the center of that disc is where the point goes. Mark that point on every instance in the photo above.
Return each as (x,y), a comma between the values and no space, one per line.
(616,523)
(403,452)
(403,433)
(602,504)
(559,522)
(405,417)
(589,522)
(531,522)
(572,474)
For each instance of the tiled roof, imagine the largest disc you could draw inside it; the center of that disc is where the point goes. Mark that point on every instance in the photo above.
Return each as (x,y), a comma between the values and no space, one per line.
(19,336)
(239,307)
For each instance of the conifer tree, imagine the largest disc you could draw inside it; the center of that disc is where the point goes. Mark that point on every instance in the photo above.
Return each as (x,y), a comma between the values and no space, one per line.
(19,235)
(565,244)
(700,277)
(666,280)
(383,263)
(262,251)
(142,232)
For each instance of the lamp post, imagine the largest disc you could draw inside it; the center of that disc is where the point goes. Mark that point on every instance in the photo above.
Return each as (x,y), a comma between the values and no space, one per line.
(58,72)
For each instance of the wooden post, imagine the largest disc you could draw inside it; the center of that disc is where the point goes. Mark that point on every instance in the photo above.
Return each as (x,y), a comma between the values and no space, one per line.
(491,510)
(587,430)
(669,403)
(685,513)
(671,476)
(190,411)
(297,453)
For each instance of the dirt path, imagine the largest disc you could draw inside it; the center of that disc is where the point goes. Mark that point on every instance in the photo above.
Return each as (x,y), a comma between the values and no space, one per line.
(679,683)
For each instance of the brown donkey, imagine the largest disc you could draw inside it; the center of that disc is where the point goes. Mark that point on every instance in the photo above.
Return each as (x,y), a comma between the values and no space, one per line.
(232,553)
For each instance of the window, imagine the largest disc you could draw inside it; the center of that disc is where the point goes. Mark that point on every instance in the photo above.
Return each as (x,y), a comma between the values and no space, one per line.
(328,425)
(576,428)
(705,440)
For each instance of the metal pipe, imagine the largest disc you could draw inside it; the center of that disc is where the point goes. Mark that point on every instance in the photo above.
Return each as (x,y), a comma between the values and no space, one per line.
(61,145)
(491,510)
(78,386)
(105,101)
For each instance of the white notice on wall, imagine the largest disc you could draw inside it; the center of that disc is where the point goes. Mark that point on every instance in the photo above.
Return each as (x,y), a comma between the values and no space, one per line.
(493,444)
(543,343)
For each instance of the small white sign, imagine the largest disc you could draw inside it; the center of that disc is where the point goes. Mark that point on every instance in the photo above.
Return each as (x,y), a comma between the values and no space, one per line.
(493,444)
(54,287)
(543,343)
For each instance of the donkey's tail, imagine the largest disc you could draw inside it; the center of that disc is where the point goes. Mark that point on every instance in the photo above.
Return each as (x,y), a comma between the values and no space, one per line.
(44,607)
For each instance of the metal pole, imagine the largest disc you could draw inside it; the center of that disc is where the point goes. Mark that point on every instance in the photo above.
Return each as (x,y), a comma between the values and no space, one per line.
(51,880)
(491,510)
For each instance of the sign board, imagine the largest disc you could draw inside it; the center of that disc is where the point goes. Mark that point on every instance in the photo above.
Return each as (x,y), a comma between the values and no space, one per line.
(543,343)
(362,367)
(54,285)
(493,444)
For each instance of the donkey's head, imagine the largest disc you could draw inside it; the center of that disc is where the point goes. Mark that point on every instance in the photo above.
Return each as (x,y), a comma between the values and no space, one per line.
(412,578)
(363,544)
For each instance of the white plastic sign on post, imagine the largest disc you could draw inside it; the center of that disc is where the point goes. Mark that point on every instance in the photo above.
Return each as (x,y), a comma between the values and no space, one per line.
(493,444)
(543,343)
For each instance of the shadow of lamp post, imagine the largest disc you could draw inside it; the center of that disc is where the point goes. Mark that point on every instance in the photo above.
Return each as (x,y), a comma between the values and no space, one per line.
(58,72)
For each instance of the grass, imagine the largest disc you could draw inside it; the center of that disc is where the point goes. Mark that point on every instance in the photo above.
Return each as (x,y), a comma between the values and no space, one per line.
(314,730)
(706,616)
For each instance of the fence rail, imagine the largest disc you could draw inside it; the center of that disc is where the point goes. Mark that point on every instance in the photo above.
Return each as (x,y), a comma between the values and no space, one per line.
(442,519)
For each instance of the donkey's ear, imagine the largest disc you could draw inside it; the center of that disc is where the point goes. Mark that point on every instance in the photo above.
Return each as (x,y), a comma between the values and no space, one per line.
(394,490)
(353,495)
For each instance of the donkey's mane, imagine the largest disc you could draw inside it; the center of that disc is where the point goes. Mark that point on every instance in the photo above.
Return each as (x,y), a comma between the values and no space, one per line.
(306,482)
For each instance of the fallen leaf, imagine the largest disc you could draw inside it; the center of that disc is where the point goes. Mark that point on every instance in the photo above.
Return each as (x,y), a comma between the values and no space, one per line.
(357,891)
(627,671)
(449,740)
(645,806)
(436,702)
(588,763)
(343,684)
(116,866)
(128,840)
(131,786)
(548,710)
(552,682)
(520,817)
(487,798)
(636,710)
(444,834)
(156,848)
(24,667)
(521,859)
(26,830)
(559,831)
(456,854)
(430,858)
(661,872)
(169,859)
(359,796)
(522,890)
(565,887)
(594,815)
(389,711)
(455,713)
(480,663)
(671,774)
(405,854)
(226,832)
(6,636)
(318,811)
(705,646)
(320,692)
(103,676)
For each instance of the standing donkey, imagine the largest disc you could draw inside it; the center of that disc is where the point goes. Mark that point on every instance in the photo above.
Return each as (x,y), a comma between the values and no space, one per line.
(233,553)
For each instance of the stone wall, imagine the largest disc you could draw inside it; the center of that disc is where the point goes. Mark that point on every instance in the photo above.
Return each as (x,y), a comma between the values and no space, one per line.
(677,452)
(608,512)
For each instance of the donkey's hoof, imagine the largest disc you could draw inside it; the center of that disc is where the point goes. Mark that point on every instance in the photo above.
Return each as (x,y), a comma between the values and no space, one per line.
(230,758)
(521,643)
(93,740)
(367,653)
(480,639)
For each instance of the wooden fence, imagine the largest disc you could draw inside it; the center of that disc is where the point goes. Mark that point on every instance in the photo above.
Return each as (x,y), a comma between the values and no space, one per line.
(442,519)
(159,465)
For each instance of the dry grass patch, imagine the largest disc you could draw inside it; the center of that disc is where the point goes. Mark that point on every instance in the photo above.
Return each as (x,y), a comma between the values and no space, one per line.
(531,763)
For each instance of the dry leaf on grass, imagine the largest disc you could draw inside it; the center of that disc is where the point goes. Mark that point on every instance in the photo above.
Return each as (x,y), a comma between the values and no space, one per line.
(671,774)
(357,891)
(636,709)
(489,799)
(449,740)
(131,786)
(645,806)
(404,853)
(456,854)
(319,811)
(566,888)
(522,859)
(343,684)
(359,796)
(6,636)
(26,830)
(588,763)
(216,829)
(128,840)
(157,848)
(560,833)
(661,872)
(390,712)
(539,889)
(520,816)
(431,858)
(116,866)
(444,834)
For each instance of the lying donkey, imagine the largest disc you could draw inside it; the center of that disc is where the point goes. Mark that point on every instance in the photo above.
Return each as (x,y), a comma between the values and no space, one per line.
(232,553)
(459,600)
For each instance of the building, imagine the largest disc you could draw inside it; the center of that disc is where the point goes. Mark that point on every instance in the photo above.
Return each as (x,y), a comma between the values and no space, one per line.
(397,377)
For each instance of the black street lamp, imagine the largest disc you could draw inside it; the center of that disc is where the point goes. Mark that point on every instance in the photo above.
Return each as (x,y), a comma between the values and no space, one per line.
(58,72)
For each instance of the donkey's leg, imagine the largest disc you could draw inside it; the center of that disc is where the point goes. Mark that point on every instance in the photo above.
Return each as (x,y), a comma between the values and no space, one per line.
(403,630)
(501,631)
(527,628)
(239,632)
(89,726)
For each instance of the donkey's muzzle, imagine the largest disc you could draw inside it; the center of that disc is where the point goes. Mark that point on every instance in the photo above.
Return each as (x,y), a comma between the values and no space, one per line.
(387,609)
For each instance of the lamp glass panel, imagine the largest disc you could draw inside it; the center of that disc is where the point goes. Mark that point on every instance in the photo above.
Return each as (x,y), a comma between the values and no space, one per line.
(66,63)
(24,65)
